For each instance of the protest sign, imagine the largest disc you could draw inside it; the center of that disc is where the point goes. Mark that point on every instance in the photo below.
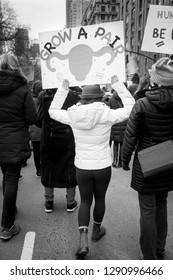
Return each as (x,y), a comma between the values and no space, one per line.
(83,55)
(158,35)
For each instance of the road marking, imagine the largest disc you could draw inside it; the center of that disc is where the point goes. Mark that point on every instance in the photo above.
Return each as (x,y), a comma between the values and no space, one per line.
(28,246)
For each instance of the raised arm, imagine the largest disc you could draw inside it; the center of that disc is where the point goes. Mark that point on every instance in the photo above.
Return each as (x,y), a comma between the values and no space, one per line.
(55,110)
(128,101)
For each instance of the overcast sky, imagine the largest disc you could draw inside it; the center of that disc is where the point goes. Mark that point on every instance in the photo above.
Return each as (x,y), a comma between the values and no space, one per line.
(40,15)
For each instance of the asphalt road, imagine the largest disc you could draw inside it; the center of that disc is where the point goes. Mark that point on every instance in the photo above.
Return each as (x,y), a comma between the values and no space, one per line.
(54,236)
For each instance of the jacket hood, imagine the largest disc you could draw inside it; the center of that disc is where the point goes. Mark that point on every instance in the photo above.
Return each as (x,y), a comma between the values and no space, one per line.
(86,116)
(10,81)
(161,97)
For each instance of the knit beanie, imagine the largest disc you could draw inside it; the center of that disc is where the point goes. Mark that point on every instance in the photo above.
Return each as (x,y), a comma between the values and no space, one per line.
(162,72)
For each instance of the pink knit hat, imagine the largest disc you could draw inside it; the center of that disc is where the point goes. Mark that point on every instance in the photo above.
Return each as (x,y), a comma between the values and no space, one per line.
(162,72)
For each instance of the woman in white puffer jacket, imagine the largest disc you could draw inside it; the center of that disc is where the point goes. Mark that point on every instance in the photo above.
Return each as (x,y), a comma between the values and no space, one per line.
(91,122)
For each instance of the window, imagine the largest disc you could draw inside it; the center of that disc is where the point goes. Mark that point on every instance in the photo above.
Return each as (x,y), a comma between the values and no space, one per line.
(102,17)
(127,6)
(158,2)
(133,13)
(103,9)
(127,45)
(140,5)
(122,11)
(132,42)
(113,8)
(140,20)
(155,57)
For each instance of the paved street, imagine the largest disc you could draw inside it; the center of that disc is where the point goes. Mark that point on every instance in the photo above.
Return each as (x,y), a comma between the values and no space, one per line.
(54,236)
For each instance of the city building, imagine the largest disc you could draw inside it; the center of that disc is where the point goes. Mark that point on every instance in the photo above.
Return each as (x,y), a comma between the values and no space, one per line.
(1,29)
(34,48)
(134,15)
(68,13)
(74,12)
(21,41)
(101,11)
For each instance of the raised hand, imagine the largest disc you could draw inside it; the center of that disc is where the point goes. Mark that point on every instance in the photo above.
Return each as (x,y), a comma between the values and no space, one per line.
(65,84)
(114,79)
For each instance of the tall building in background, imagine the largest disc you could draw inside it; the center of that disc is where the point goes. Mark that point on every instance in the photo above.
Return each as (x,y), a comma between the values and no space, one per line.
(74,12)
(134,15)
(101,11)
(1,30)
(21,42)
(68,13)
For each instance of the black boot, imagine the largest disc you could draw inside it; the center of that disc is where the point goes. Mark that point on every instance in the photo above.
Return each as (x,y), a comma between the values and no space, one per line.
(83,248)
(98,232)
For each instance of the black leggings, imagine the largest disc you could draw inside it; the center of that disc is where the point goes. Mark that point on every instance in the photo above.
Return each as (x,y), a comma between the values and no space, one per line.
(92,183)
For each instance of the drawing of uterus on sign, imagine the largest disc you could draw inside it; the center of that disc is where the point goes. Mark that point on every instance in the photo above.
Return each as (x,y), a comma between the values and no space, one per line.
(84,55)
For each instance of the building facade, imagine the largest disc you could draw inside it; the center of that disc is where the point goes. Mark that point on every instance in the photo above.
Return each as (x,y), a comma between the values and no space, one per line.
(134,15)
(101,11)
(74,12)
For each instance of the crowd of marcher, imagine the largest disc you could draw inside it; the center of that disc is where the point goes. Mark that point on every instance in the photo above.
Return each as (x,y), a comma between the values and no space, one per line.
(71,131)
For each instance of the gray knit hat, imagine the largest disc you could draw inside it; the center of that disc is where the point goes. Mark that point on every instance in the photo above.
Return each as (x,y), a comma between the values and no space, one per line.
(162,72)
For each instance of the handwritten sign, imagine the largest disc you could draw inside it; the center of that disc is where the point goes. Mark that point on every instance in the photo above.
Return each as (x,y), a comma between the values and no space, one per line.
(83,55)
(158,35)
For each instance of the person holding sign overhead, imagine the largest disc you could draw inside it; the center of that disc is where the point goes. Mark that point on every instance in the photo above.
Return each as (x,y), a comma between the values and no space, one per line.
(91,120)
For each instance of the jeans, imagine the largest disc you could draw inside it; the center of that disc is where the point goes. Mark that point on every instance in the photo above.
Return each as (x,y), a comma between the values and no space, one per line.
(153,223)
(11,173)
(70,194)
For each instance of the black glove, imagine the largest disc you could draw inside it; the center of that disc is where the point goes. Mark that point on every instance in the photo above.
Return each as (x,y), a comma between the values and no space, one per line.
(125,166)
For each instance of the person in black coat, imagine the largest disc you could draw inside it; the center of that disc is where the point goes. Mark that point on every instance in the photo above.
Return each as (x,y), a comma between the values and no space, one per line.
(117,131)
(57,150)
(17,112)
(35,131)
(150,123)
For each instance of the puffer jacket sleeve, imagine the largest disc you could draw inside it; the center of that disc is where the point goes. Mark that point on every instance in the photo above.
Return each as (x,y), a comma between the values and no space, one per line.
(55,110)
(30,111)
(132,132)
(122,114)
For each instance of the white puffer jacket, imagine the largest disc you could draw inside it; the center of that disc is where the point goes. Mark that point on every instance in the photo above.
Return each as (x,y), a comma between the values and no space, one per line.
(91,125)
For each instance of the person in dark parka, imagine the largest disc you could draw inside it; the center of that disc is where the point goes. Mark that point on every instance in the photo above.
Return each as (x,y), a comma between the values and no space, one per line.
(57,152)
(35,131)
(17,112)
(150,123)
(117,131)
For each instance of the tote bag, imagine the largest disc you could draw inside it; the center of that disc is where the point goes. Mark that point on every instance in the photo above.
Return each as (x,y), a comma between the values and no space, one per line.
(157,159)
